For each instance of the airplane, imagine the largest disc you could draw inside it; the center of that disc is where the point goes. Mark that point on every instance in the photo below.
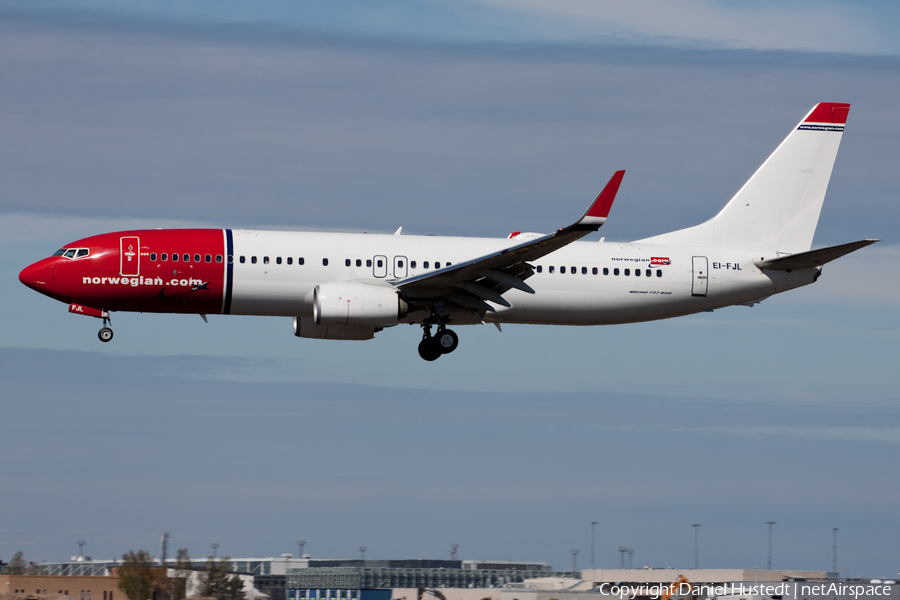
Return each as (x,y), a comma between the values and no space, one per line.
(349,286)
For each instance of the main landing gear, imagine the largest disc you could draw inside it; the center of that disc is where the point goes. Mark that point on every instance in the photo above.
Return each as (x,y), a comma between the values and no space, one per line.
(444,342)
(106,333)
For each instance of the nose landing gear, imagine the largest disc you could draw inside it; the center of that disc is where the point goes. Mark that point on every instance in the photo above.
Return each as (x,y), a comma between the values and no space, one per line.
(106,333)
(445,342)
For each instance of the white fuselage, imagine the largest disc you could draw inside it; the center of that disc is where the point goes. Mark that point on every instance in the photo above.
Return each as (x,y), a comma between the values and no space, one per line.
(576,285)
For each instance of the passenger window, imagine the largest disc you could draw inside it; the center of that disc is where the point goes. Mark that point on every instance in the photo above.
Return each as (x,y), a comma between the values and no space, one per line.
(605,271)
(437,265)
(324,262)
(549,269)
(573,270)
(186,257)
(277,260)
(659,272)
(412,264)
(648,273)
(208,258)
(425,264)
(347,262)
(230,259)
(540,268)
(358,262)
(290,260)
(265,260)
(300,261)
(637,272)
(399,264)
(70,253)
(380,263)
(562,269)
(253,259)
(368,262)
(174,257)
(164,257)
(196,258)
(627,272)
(218,258)
(82,252)
(594,270)
(615,271)
(153,256)
(243,259)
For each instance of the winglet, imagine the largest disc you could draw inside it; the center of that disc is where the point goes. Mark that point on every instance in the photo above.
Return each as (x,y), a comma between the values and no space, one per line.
(599,210)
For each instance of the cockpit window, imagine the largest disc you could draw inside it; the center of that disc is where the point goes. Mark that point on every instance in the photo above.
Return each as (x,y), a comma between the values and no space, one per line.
(72,252)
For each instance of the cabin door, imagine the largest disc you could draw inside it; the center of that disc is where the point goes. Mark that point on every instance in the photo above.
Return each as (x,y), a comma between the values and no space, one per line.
(129,256)
(379,266)
(701,276)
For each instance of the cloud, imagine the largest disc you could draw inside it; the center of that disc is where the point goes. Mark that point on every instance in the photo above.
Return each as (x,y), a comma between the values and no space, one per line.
(244,129)
(759,24)
(837,433)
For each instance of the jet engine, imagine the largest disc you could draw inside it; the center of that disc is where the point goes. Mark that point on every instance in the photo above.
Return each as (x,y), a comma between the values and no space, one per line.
(354,303)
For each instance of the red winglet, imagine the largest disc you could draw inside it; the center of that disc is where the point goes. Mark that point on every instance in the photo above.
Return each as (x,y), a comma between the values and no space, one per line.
(828,112)
(601,206)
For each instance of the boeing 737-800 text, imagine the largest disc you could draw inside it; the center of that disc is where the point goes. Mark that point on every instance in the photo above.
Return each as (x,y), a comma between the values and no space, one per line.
(345,286)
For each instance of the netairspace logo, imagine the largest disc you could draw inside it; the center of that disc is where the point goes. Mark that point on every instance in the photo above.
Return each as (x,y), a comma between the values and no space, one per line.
(795,590)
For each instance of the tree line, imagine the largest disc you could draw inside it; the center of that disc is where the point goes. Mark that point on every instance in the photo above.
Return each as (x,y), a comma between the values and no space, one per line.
(140,580)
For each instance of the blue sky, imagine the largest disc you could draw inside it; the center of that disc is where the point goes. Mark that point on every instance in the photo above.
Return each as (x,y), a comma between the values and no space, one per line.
(473,118)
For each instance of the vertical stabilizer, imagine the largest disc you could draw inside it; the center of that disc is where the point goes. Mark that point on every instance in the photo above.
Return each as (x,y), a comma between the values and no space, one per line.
(778,208)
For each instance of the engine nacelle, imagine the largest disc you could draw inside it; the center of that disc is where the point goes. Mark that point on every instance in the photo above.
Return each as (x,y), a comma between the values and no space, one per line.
(353,303)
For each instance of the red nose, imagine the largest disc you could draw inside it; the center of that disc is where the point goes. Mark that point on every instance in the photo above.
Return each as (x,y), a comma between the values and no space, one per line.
(35,276)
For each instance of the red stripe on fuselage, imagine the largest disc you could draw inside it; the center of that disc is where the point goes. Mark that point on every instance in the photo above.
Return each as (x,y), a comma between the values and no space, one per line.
(149,284)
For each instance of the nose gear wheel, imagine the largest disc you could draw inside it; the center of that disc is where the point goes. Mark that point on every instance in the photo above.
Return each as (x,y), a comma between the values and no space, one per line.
(106,333)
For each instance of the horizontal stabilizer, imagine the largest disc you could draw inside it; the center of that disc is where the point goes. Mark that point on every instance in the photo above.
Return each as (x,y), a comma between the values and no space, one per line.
(812,258)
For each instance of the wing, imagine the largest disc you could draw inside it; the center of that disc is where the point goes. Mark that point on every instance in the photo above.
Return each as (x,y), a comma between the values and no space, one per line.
(469,284)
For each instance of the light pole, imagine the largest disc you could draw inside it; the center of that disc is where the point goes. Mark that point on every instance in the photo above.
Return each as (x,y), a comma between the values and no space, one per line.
(696,527)
(593,526)
(362,552)
(834,531)
(622,551)
(215,549)
(300,544)
(574,561)
(769,564)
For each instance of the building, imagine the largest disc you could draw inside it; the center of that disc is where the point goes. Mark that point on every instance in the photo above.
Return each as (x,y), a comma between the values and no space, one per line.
(667,576)
(355,580)
(90,587)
